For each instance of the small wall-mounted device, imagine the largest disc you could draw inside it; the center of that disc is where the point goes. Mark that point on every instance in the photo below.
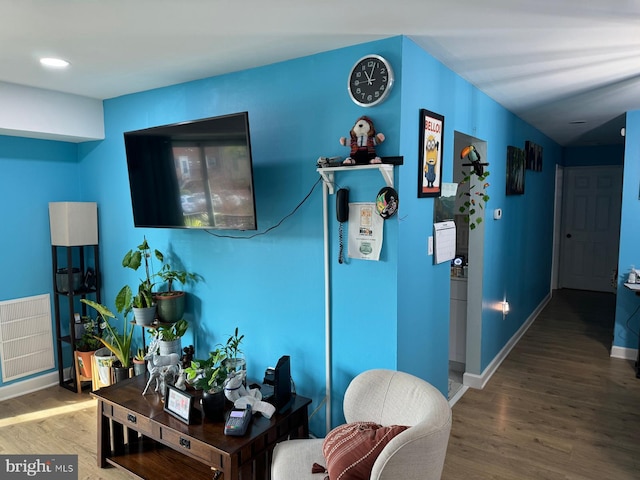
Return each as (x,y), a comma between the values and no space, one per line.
(497,214)
(342,205)
(505,309)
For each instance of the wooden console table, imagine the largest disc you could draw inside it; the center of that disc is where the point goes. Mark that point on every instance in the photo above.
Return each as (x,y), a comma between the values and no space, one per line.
(138,436)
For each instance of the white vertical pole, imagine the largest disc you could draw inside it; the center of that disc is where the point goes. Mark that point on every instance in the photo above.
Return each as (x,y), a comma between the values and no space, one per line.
(327,304)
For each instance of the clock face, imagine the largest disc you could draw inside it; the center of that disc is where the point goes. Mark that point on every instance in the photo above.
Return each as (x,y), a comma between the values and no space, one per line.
(370,81)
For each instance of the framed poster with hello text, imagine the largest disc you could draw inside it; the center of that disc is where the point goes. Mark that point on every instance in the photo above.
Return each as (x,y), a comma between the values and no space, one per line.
(430,154)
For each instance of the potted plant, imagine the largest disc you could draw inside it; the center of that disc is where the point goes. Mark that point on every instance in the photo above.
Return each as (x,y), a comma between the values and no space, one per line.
(139,363)
(118,343)
(170,304)
(142,302)
(209,375)
(168,337)
(233,360)
(86,346)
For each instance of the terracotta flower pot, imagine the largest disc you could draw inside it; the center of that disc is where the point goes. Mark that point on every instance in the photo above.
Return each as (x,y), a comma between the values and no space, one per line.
(84,362)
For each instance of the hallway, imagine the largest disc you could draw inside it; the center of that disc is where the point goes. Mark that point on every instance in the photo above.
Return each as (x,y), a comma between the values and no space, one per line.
(558,407)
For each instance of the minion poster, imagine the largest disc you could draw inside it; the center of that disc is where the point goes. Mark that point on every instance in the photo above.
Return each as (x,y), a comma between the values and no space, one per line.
(430,156)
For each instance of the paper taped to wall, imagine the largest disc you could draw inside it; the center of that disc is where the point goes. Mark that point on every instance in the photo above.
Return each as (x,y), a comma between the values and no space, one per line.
(444,234)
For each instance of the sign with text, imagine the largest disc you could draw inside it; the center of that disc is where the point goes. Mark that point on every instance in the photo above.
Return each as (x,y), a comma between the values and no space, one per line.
(39,467)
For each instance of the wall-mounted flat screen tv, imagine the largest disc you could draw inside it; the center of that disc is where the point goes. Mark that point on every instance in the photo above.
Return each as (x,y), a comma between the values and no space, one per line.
(196,174)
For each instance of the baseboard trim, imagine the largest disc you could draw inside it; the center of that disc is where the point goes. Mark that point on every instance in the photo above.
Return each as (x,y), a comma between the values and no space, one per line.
(23,387)
(624,353)
(458,395)
(479,381)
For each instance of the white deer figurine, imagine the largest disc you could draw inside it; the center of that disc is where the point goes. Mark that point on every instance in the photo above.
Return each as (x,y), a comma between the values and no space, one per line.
(161,366)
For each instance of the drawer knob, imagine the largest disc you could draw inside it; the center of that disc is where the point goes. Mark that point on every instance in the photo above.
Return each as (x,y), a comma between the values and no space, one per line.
(131,417)
(185,442)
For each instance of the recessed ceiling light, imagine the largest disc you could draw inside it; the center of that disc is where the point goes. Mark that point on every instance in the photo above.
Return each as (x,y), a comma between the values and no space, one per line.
(54,62)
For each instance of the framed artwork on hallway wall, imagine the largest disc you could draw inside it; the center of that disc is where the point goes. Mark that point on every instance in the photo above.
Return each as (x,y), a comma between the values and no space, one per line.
(430,154)
(515,171)
(533,153)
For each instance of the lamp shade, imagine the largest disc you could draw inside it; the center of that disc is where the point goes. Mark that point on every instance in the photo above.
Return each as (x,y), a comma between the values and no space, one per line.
(73,223)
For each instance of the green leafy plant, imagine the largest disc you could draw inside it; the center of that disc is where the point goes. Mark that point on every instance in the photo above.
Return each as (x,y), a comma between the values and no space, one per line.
(169,332)
(118,343)
(143,254)
(168,275)
(232,347)
(90,339)
(133,259)
(140,354)
(208,374)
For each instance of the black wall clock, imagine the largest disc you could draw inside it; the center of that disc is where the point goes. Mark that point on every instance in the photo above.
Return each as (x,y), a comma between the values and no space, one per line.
(370,80)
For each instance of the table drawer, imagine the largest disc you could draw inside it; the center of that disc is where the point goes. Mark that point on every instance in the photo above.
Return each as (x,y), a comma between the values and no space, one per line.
(132,420)
(191,446)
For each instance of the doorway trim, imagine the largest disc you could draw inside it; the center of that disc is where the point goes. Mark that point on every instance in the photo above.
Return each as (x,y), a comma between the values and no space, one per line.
(473,347)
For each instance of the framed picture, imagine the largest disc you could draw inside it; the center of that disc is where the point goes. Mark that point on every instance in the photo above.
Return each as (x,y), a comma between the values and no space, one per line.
(515,171)
(430,154)
(179,404)
(533,154)
(89,279)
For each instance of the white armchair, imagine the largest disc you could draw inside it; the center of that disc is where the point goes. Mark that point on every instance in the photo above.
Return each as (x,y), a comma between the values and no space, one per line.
(387,398)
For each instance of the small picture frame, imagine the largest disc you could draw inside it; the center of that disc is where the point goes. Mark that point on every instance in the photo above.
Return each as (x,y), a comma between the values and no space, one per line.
(89,279)
(179,404)
(430,155)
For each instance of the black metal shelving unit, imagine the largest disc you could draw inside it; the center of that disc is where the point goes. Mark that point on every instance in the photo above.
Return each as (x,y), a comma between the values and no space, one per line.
(86,257)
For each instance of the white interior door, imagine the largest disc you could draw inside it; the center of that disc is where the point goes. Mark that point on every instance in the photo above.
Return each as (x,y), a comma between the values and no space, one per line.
(592,198)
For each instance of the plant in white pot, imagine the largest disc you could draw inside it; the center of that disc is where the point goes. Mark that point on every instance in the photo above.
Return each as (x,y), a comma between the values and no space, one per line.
(118,343)
(234,360)
(167,338)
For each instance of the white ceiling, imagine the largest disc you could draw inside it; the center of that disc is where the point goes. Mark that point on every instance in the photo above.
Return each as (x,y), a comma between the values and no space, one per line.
(552,62)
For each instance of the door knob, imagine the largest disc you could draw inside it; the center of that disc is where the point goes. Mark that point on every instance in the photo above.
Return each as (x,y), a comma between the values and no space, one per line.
(568,235)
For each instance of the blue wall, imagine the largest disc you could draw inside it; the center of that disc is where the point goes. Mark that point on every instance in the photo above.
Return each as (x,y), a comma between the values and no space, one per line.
(271,286)
(34,173)
(518,248)
(388,314)
(627,317)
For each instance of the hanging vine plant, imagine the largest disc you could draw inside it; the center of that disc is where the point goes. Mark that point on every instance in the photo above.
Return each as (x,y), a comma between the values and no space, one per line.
(476,196)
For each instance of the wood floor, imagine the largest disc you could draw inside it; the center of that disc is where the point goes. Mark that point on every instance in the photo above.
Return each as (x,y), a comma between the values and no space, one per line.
(557,408)
(54,421)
